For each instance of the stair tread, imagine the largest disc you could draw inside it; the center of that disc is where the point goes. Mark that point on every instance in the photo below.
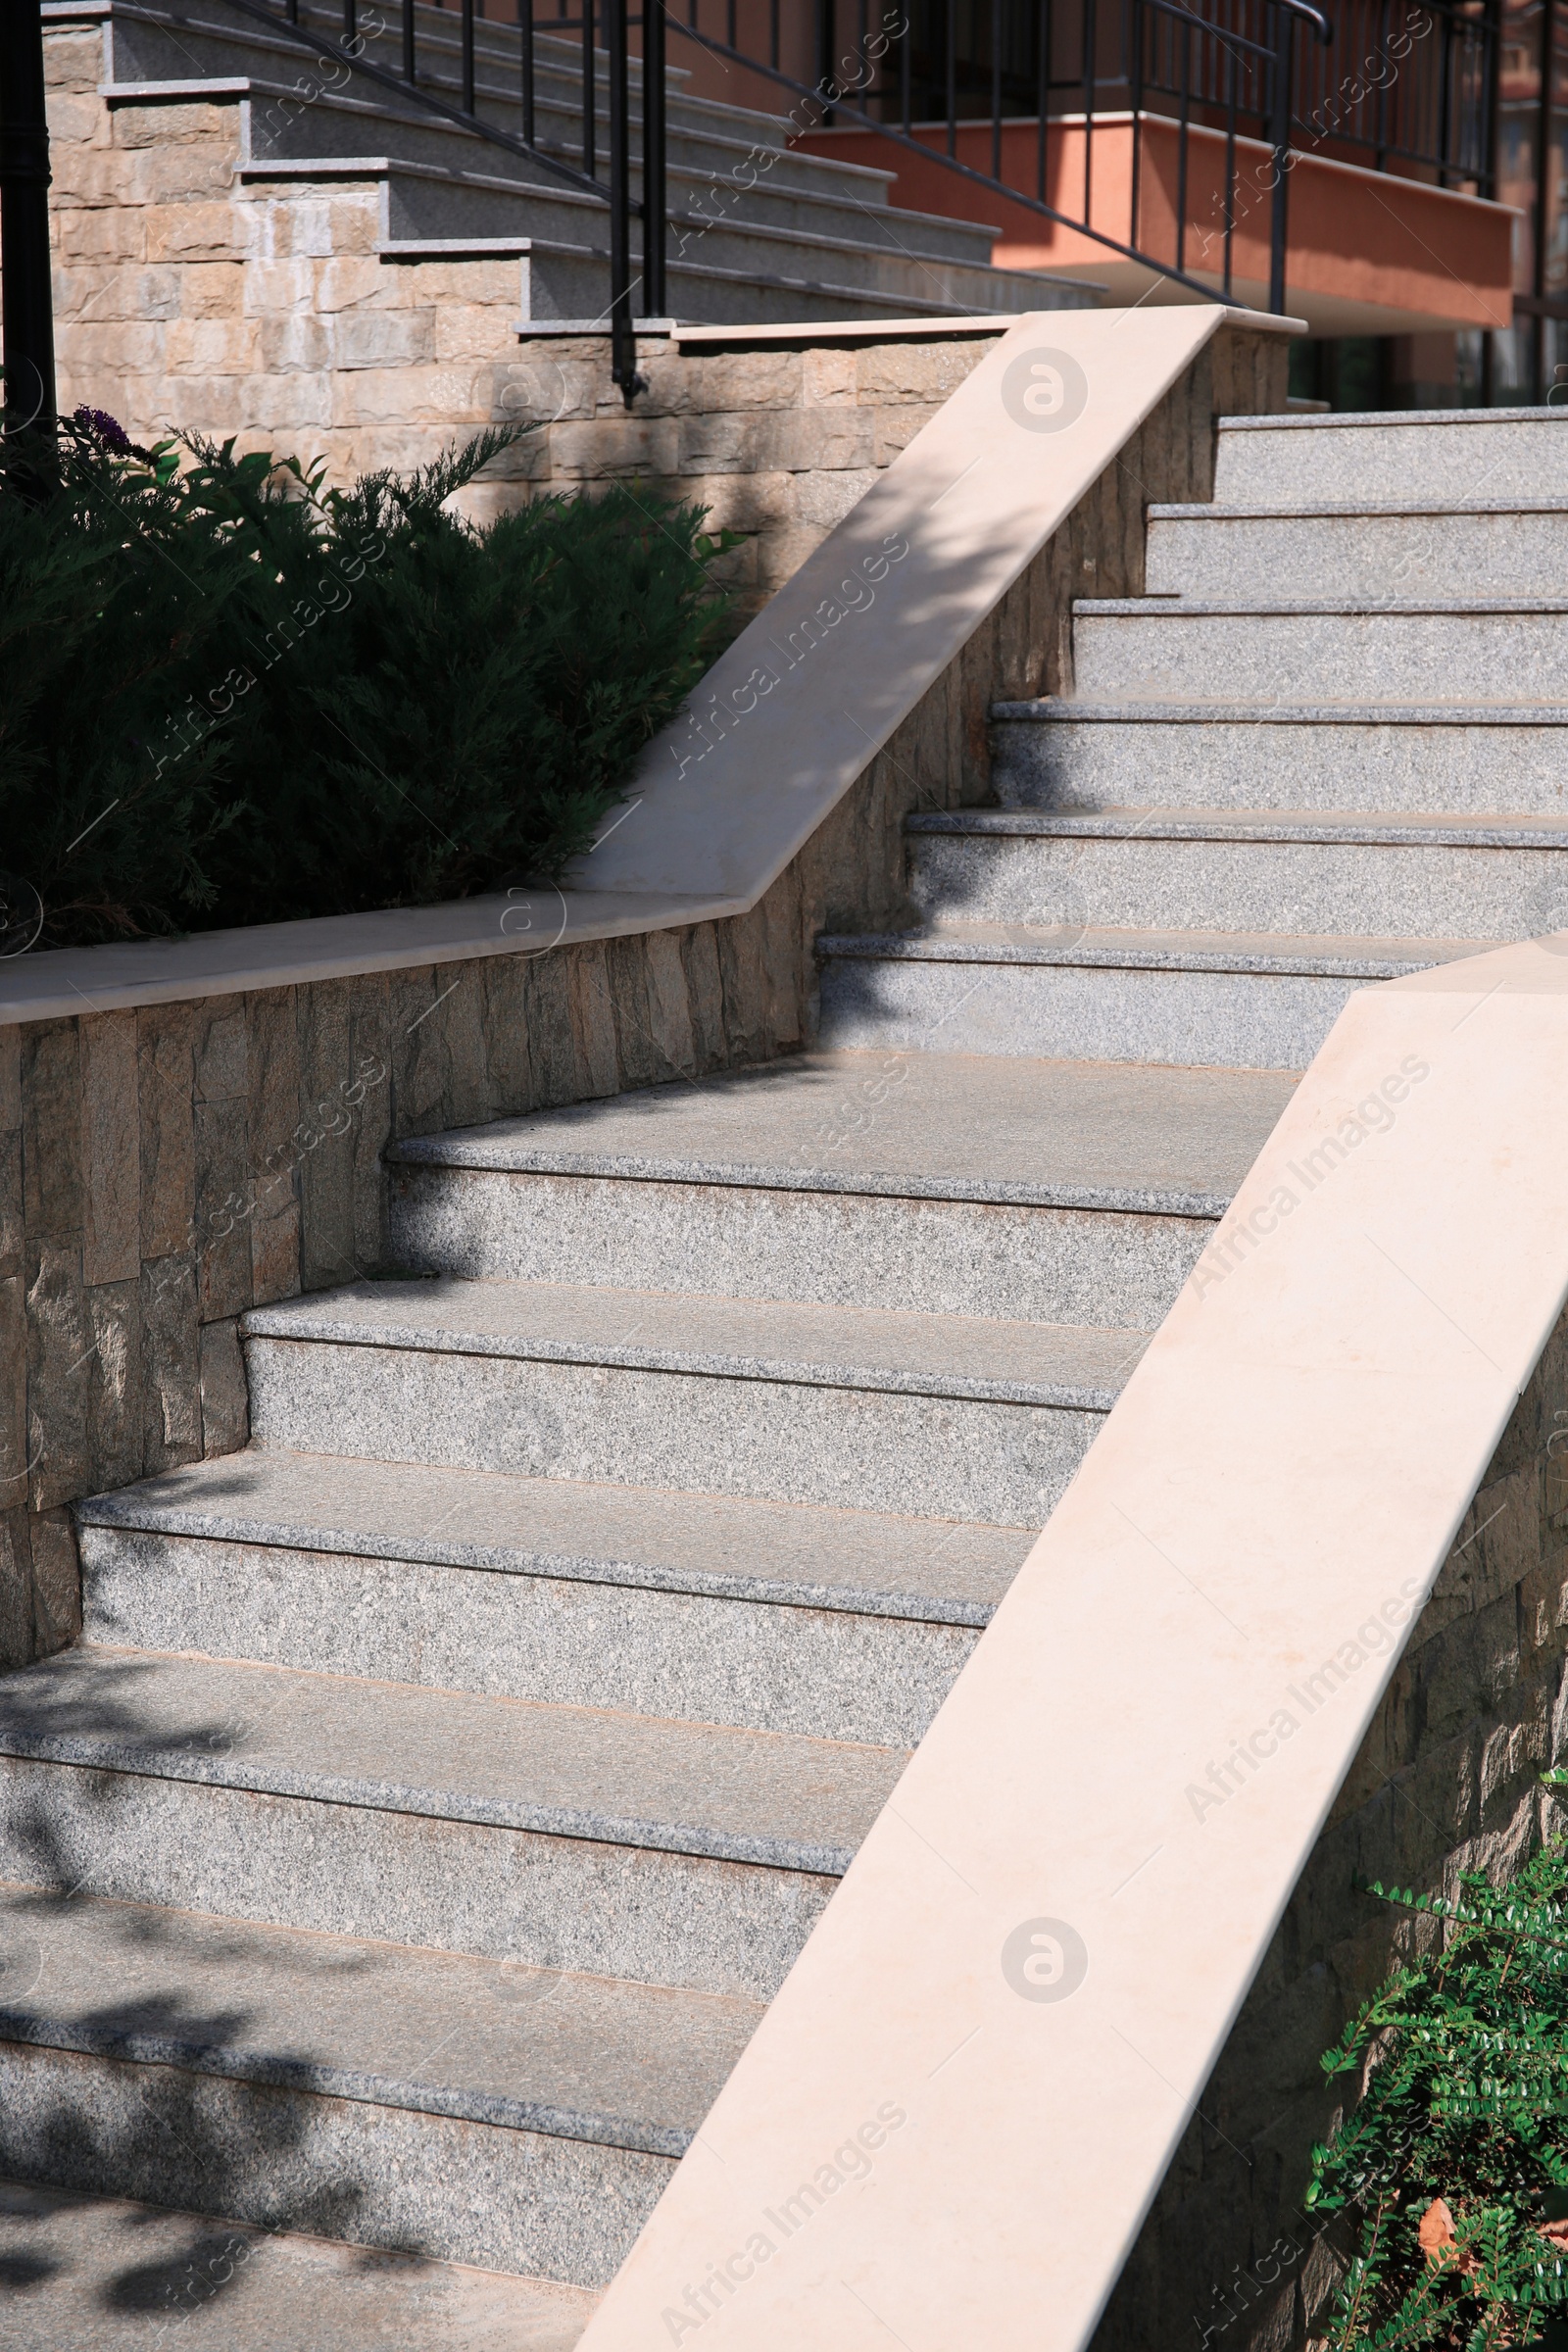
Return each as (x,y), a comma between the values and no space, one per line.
(1263,951)
(592,2058)
(1352,711)
(1334,608)
(1232,511)
(739,1339)
(1368,828)
(75,2260)
(920,1126)
(806,1555)
(771,1799)
(1385,419)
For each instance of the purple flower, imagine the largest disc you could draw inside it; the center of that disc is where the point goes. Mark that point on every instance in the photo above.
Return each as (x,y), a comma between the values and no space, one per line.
(104,429)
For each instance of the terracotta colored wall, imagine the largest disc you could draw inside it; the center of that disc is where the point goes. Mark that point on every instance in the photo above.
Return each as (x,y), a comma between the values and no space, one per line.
(1355,236)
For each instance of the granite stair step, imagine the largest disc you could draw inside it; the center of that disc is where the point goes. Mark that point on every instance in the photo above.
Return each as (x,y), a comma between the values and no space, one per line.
(938,1417)
(831,1624)
(615,1845)
(1293,871)
(92,2273)
(1257,1000)
(366,2091)
(1454,651)
(1474,760)
(1448,454)
(1387,548)
(1060,1191)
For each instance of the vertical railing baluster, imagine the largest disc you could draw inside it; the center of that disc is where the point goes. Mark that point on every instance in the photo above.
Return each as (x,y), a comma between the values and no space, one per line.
(995,88)
(349,25)
(906,73)
(467,57)
(656,296)
(1279,141)
(588,88)
(1140,26)
(408,40)
(1043,92)
(1184,145)
(862,61)
(1091,43)
(772,33)
(951,35)
(1230,166)
(623,333)
(525,60)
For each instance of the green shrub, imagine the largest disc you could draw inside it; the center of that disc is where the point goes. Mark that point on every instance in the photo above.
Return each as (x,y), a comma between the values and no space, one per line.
(232,694)
(1453,2168)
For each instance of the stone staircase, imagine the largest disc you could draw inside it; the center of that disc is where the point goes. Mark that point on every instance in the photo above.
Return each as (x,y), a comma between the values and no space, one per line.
(445,1783)
(759,231)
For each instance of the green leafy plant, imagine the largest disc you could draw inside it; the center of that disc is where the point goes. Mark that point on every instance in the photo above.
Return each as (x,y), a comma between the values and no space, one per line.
(1452,2169)
(231,693)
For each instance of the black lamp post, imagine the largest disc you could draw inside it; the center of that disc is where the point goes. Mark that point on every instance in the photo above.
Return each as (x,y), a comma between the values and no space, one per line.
(27,316)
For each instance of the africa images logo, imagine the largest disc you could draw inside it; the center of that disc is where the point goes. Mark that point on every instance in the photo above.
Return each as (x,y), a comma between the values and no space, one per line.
(1045,391)
(1045,1960)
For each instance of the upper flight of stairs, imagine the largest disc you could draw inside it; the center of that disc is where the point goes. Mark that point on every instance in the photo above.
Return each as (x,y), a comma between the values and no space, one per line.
(759,231)
(444,1785)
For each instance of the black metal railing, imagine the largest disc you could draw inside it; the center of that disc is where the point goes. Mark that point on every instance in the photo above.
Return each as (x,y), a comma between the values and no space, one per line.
(1408,84)
(1404,80)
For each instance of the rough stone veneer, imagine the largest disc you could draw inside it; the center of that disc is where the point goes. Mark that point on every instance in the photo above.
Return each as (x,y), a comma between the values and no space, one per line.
(123,1265)
(1445,1780)
(185,297)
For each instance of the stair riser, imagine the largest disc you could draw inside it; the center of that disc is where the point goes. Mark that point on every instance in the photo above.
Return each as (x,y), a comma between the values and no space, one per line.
(706,227)
(1335,466)
(1321,657)
(937,1457)
(1042,1265)
(572,285)
(1240,1021)
(1371,555)
(375,2176)
(825,1673)
(1066,764)
(570,1903)
(1311,889)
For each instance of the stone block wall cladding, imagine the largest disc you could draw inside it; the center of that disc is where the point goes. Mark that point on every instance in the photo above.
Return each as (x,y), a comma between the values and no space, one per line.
(123,1134)
(184,297)
(1445,1780)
